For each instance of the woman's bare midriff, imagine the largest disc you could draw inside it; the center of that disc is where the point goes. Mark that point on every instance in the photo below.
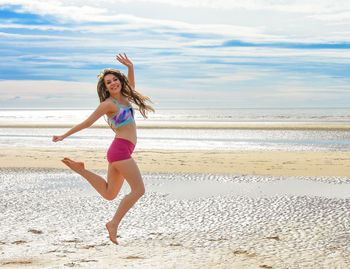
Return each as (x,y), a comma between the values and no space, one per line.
(127,132)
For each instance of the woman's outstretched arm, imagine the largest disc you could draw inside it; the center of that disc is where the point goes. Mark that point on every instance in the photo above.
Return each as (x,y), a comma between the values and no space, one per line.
(102,109)
(126,61)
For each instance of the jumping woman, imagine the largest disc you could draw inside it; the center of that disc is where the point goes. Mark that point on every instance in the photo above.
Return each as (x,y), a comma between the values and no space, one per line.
(116,93)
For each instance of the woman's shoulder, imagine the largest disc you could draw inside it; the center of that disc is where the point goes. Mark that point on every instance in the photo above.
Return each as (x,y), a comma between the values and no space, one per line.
(108,101)
(112,102)
(108,104)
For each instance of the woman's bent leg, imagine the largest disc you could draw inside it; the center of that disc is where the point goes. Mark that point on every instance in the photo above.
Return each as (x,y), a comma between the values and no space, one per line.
(108,190)
(130,171)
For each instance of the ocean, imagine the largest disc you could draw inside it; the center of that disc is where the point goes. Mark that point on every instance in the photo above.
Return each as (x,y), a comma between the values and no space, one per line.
(39,125)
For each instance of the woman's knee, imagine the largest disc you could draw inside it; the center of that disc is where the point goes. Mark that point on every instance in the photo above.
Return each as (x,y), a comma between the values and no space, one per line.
(142,191)
(110,196)
(139,191)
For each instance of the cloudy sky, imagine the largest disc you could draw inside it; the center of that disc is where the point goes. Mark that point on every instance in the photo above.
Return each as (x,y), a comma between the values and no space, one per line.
(186,53)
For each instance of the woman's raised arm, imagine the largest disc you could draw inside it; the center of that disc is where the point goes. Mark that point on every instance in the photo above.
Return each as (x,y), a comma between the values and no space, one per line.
(126,61)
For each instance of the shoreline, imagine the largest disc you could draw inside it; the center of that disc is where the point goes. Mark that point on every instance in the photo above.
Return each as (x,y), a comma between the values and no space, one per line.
(333,126)
(274,163)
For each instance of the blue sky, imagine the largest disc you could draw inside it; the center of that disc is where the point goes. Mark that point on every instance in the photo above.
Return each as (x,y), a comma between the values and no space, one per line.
(202,54)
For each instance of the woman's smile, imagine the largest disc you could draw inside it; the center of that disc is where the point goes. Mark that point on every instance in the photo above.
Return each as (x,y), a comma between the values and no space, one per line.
(112,83)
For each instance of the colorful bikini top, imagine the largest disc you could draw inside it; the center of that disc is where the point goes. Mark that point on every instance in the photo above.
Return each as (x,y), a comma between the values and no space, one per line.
(125,115)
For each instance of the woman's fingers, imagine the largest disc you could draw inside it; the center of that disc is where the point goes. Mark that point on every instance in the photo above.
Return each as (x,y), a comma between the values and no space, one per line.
(120,57)
(120,60)
(124,59)
(56,138)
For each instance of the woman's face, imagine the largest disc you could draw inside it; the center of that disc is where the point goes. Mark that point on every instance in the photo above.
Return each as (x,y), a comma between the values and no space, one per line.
(112,83)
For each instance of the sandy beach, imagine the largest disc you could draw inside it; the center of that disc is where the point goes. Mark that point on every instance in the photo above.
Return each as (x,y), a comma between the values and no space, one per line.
(226,208)
(275,163)
(202,209)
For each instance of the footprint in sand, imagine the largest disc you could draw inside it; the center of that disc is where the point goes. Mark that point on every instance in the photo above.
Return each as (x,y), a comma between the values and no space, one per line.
(71,264)
(88,246)
(75,240)
(35,231)
(16,263)
(244,252)
(134,257)
(273,237)
(18,242)
(219,239)
(265,266)
(85,260)
(155,233)
(175,245)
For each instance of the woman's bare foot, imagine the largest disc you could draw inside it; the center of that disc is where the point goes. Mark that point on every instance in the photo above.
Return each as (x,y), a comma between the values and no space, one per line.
(112,230)
(75,166)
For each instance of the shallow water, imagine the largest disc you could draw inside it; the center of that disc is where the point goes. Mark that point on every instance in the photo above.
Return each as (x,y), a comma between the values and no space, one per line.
(179,186)
(287,186)
(186,139)
(183,139)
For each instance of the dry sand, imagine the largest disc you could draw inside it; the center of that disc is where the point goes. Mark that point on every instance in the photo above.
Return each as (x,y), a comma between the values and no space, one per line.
(276,163)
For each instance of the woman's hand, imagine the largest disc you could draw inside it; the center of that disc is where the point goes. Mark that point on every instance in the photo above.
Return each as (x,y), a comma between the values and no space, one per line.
(57,138)
(124,60)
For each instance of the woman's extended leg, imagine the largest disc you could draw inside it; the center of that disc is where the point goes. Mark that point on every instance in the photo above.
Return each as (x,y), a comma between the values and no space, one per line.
(130,171)
(108,190)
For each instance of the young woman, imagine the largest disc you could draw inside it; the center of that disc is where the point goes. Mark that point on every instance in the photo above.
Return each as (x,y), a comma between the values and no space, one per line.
(115,91)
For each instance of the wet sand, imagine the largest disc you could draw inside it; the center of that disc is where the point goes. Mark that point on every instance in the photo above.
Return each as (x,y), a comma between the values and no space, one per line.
(52,218)
(275,163)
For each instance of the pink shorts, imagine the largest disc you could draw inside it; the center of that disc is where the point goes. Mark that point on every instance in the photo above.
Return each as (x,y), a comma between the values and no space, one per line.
(120,149)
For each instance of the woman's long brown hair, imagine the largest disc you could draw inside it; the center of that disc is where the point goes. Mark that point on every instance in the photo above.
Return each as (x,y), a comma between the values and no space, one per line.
(126,90)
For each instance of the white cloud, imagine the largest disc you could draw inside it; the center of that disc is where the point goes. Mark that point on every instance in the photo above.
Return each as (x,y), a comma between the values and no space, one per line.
(107,12)
(303,92)
(87,10)
(298,6)
(336,16)
(65,10)
(31,88)
(47,94)
(224,78)
(40,37)
(35,27)
(83,95)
